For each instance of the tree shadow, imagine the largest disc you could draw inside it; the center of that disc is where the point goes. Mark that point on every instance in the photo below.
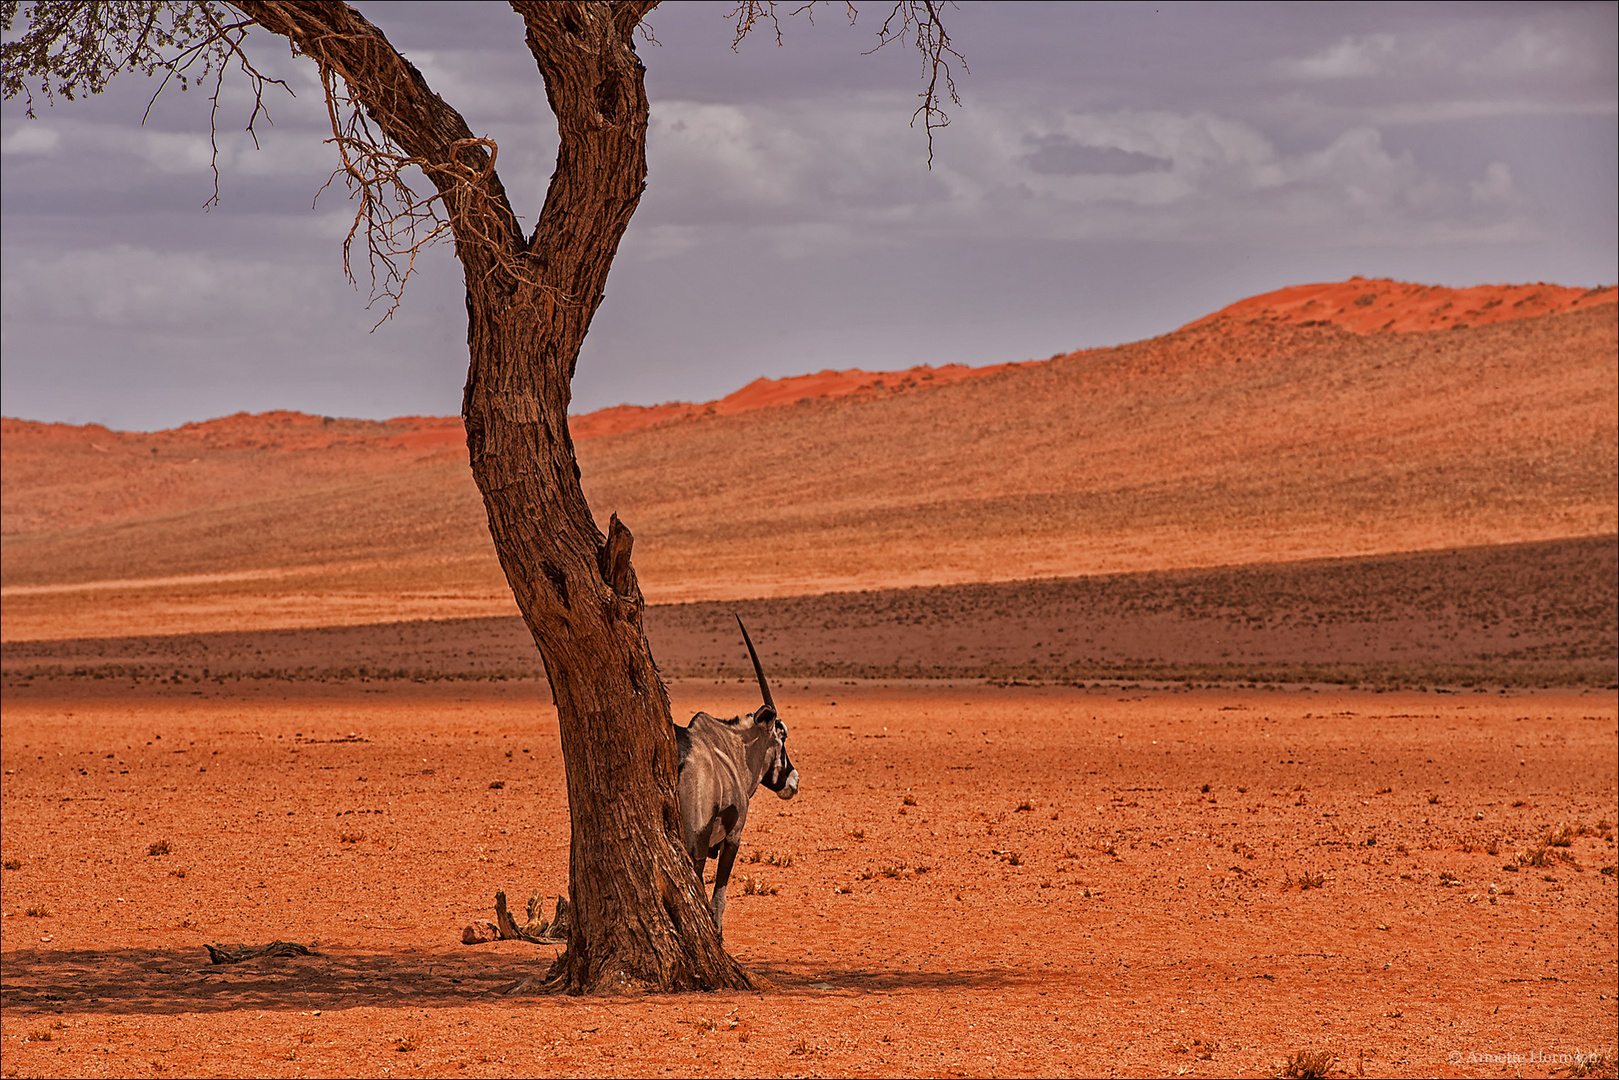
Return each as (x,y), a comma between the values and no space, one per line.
(182,980)
(827,980)
(161,981)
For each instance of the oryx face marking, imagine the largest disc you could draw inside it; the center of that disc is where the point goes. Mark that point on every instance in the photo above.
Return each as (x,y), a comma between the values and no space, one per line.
(722,762)
(779,775)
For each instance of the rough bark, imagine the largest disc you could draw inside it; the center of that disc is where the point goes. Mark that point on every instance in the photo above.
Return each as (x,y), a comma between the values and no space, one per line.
(639,916)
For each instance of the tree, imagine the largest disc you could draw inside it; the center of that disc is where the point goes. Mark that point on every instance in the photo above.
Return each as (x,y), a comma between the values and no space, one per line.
(639,915)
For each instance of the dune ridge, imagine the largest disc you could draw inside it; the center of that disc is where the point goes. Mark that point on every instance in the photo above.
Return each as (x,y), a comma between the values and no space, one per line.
(1228,442)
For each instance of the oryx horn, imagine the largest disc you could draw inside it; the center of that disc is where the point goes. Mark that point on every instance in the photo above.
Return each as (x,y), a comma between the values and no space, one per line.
(764,687)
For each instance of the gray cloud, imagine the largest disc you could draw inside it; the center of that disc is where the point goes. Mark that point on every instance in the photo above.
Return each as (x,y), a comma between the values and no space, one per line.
(1112,172)
(1060,155)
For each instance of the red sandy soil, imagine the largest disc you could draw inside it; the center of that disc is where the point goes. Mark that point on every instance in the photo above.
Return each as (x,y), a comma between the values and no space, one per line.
(978,879)
(974,881)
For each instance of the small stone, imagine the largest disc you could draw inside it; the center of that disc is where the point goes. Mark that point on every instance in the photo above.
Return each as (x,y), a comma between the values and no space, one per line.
(479,932)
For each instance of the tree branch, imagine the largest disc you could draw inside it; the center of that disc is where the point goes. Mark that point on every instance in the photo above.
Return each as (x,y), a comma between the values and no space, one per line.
(386,118)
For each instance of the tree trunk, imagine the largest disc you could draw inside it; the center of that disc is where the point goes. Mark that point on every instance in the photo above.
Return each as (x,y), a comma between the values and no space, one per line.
(639,915)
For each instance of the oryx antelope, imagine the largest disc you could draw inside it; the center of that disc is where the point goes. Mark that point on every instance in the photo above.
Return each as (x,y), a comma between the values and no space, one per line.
(721,763)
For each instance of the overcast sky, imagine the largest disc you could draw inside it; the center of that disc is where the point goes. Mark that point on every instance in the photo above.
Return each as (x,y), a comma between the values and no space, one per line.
(1113,172)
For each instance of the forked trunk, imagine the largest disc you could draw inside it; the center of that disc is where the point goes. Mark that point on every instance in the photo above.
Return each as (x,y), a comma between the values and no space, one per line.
(639,916)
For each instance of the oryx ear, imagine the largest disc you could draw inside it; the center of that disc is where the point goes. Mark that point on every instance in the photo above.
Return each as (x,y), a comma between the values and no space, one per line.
(765,715)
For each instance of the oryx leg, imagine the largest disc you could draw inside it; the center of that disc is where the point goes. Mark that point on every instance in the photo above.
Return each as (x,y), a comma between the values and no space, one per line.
(699,859)
(722,877)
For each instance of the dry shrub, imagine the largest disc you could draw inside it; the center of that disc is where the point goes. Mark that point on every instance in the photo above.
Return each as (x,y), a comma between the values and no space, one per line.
(40,1035)
(1309,1064)
(751,887)
(1592,1065)
(158,847)
(1024,805)
(350,837)
(1564,835)
(497,785)
(38,911)
(1305,881)
(406,1043)
(1540,856)
(909,800)
(13,864)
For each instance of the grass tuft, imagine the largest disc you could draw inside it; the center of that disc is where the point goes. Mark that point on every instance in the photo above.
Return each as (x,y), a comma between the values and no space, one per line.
(1309,1064)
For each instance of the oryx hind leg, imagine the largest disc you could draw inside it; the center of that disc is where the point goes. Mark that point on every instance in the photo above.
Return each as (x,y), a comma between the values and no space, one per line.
(722,878)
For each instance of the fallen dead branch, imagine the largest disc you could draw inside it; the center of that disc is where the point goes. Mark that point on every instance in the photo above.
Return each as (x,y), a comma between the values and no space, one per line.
(537,929)
(219,954)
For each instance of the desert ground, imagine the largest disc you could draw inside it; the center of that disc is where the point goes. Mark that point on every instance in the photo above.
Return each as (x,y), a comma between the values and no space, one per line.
(1180,708)
(975,880)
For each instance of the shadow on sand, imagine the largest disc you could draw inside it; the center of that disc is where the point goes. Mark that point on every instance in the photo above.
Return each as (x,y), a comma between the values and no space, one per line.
(163,981)
(167,981)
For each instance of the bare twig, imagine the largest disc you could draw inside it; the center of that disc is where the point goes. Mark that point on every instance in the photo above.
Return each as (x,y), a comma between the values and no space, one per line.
(918,21)
(75,47)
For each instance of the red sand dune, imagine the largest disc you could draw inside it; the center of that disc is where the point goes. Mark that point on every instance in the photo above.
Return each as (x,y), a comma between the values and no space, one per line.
(1231,442)
(764,393)
(1359,305)
(1371,305)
